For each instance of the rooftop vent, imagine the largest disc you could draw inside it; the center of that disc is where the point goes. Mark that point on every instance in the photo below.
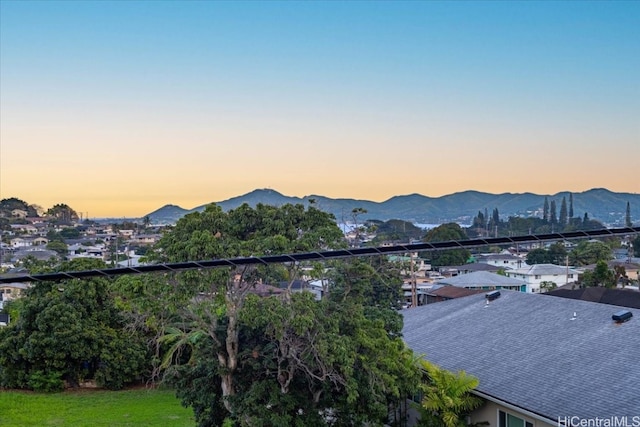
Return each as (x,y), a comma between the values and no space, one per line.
(622,316)
(492,295)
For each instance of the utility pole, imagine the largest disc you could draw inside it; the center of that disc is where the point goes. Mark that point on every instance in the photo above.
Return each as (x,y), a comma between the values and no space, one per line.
(414,290)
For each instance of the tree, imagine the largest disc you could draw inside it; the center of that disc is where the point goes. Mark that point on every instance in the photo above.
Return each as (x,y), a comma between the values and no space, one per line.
(69,332)
(59,247)
(570,205)
(447,397)
(447,232)
(627,218)
(545,209)
(396,230)
(61,213)
(538,256)
(563,213)
(636,246)
(553,218)
(240,232)
(600,276)
(547,286)
(590,252)
(8,205)
(355,215)
(556,254)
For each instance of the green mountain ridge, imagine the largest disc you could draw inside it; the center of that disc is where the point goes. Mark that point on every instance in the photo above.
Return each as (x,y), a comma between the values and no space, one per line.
(598,203)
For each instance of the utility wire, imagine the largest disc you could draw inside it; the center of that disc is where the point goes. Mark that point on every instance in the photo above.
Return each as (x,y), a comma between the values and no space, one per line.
(320,255)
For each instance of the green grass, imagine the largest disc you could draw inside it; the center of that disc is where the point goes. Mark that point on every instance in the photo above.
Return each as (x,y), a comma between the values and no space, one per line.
(140,407)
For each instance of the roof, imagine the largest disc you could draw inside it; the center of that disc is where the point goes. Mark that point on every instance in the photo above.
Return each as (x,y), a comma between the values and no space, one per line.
(481,278)
(543,270)
(476,266)
(453,292)
(620,297)
(527,351)
(498,257)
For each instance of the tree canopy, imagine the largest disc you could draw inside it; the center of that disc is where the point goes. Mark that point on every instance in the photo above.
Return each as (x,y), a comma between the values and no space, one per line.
(445,232)
(285,359)
(69,332)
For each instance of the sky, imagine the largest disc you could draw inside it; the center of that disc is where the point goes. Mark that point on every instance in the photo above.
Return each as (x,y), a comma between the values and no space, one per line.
(117,108)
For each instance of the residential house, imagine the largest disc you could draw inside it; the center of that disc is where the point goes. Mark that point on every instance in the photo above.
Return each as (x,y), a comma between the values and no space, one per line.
(536,274)
(457,270)
(23,228)
(11,291)
(35,252)
(485,280)
(26,242)
(505,260)
(19,213)
(145,239)
(540,361)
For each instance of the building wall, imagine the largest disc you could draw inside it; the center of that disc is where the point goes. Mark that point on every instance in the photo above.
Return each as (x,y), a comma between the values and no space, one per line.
(489,413)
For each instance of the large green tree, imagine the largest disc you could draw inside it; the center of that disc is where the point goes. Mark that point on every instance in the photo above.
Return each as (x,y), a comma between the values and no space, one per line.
(590,252)
(601,275)
(62,213)
(69,332)
(285,359)
(447,232)
(244,231)
(555,254)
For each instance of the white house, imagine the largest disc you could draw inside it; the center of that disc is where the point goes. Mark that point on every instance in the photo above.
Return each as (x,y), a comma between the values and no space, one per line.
(504,260)
(536,274)
(23,228)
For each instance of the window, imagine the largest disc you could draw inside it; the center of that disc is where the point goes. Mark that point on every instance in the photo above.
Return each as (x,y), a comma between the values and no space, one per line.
(537,277)
(507,420)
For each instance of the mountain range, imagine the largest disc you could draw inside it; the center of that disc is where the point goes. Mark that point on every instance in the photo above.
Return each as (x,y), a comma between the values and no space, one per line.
(606,206)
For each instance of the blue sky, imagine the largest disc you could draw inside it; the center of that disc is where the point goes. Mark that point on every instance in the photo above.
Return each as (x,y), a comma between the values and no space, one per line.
(120,107)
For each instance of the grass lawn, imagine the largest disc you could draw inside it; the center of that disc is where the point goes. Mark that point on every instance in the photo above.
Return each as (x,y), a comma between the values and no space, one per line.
(138,407)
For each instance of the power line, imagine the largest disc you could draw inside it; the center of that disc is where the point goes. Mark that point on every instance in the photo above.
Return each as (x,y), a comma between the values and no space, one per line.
(320,255)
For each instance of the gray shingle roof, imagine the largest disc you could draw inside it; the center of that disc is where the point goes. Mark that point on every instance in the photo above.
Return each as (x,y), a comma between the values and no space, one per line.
(543,270)
(526,350)
(481,278)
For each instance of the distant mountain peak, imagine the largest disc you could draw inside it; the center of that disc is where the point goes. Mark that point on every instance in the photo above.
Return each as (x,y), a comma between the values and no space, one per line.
(600,203)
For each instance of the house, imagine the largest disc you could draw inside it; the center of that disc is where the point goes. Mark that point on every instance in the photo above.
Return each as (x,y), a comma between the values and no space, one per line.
(457,270)
(534,275)
(541,361)
(19,213)
(145,239)
(26,242)
(23,228)
(11,291)
(486,281)
(505,260)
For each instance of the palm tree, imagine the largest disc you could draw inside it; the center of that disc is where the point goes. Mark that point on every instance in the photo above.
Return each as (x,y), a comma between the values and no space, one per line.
(447,398)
